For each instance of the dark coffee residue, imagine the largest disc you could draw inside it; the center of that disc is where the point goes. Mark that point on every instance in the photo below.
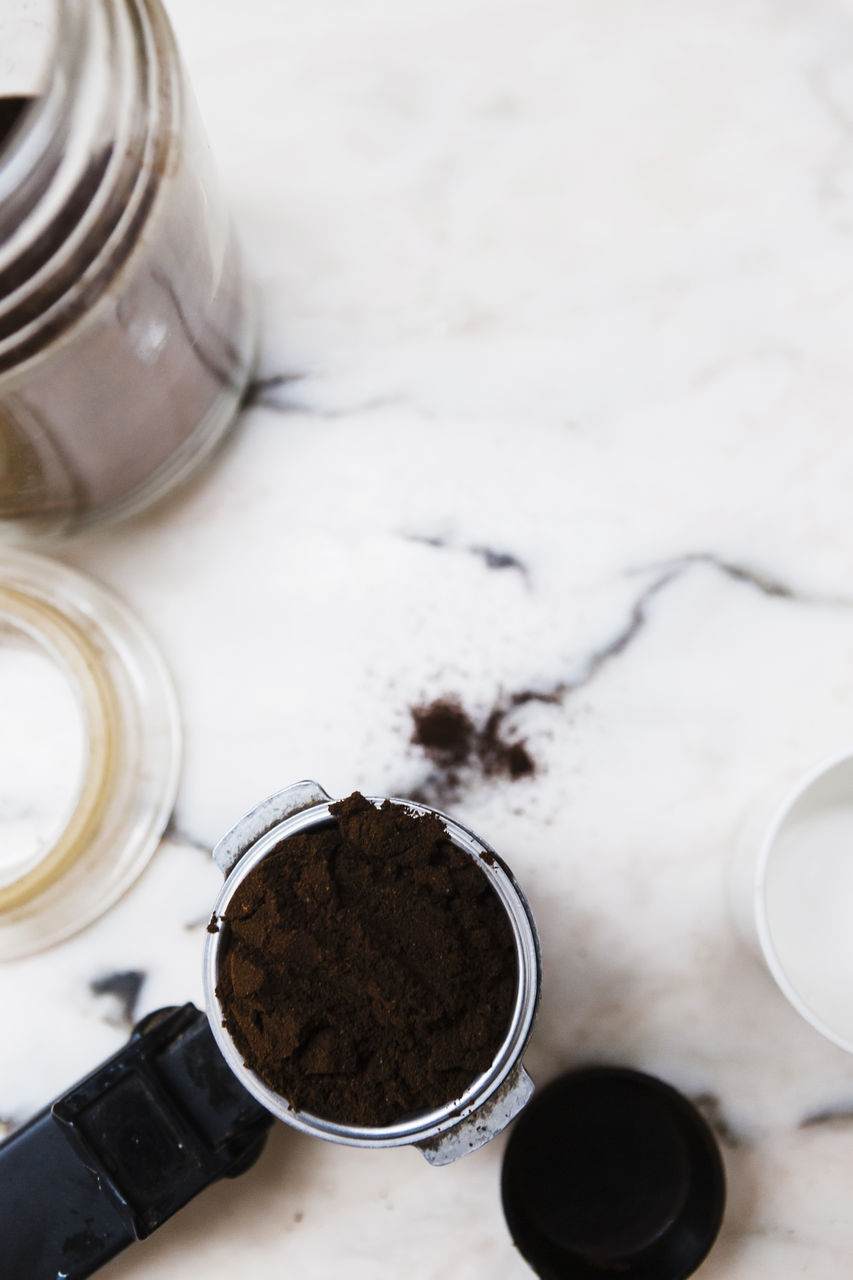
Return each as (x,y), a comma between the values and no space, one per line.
(462,751)
(368,969)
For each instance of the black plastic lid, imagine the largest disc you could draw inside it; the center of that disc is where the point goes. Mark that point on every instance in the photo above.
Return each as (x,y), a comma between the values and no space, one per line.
(612,1172)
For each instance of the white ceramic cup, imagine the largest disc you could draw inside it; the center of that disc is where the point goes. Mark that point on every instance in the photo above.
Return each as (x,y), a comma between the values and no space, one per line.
(794,897)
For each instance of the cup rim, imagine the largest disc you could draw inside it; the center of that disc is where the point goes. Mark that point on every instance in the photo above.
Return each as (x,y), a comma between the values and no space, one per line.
(425,1125)
(130,723)
(783,811)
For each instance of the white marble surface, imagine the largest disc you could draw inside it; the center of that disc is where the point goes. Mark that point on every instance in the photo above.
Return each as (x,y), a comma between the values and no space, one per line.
(571,282)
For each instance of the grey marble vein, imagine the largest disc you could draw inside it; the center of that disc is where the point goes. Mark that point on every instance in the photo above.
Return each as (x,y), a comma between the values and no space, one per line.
(445,786)
(833,171)
(260,393)
(125,986)
(671,571)
(492,557)
(180,836)
(259,388)
(711,1107)
(831,1116)
(763,581)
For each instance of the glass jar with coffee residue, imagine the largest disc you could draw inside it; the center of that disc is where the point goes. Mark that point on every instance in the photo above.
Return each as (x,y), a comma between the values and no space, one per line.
(125,339)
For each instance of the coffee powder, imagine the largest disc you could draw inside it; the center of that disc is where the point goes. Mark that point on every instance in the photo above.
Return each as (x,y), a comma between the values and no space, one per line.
(367,967)
(452,740)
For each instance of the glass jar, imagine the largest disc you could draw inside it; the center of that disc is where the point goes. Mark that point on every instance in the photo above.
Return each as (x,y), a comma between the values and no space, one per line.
(125,338)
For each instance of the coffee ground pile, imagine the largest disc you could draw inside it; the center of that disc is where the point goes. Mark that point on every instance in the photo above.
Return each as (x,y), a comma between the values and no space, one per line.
(368,969)
(452,741)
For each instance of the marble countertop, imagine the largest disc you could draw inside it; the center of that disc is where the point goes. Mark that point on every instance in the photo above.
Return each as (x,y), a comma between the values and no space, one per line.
(554,398)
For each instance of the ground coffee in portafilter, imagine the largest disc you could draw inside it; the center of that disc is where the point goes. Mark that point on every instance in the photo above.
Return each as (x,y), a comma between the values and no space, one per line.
(367,969)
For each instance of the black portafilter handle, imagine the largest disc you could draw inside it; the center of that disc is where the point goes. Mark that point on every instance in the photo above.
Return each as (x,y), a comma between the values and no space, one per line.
(124,1149)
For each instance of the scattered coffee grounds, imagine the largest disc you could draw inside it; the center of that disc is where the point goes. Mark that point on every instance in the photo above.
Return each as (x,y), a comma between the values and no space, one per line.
(368,969)
(498,755)
(445,731)
(452,741)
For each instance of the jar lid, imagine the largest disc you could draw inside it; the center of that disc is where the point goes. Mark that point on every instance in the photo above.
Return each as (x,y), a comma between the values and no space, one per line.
(89,751)
(612,1172)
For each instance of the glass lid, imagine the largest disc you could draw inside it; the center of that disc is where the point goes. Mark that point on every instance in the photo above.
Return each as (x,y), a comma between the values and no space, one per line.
(89,751)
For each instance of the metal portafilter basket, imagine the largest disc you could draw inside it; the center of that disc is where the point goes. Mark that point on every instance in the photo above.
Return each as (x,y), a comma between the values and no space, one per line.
(494,1097)
(177,1108)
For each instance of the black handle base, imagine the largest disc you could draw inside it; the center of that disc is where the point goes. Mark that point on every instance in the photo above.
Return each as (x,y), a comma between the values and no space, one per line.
(114,1157)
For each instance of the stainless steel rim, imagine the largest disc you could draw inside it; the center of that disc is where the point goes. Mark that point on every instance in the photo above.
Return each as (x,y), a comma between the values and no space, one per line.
(429,1124)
